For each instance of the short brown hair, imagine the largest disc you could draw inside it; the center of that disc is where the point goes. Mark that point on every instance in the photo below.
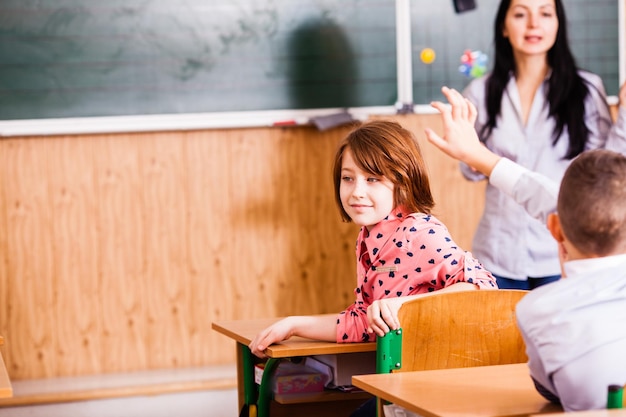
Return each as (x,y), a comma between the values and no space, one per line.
(385,148)
(592,203)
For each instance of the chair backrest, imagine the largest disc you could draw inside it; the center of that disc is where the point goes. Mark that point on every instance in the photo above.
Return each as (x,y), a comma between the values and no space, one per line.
(461,329)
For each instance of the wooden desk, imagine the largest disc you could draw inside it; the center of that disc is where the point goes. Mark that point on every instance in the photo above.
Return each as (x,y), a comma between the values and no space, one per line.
(592,413)
(329,404)
(243,331)
(6,390)
(501,390)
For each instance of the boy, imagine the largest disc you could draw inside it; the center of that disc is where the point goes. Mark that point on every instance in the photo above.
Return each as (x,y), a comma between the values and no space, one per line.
(573,328)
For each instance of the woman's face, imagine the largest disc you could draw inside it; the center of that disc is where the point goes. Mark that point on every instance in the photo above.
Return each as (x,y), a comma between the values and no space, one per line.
(531,26)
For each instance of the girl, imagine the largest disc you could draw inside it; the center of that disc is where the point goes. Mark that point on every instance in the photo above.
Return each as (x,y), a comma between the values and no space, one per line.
(402,250)
(538,110)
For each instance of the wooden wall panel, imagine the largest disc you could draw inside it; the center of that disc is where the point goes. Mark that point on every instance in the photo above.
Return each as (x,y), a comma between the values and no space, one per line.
(73,225)
(28,315)
(120,250)
(122,242)
(165,194)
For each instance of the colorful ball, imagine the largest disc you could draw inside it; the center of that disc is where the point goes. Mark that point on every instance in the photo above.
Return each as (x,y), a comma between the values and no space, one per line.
(427,55)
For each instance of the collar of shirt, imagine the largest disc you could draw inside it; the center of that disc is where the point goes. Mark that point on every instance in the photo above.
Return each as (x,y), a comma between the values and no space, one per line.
(582,267)
(387,225)
(368,239)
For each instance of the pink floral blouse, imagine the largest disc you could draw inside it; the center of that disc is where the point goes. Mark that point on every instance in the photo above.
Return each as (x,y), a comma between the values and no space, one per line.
(405,254)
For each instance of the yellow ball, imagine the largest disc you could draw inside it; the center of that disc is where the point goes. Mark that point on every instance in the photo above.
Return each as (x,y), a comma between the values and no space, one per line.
(427,55)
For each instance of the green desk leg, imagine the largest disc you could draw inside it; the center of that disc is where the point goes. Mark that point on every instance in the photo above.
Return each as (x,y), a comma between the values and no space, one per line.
(388,356)
(265,389)
(250,394)
(256,401)
(249,387)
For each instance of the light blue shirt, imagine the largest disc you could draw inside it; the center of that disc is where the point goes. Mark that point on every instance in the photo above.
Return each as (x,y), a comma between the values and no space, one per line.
(509,241)
(575,331)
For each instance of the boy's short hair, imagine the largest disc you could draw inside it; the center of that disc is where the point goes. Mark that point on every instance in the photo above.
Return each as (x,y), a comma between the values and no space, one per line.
(384,148)
(592,203)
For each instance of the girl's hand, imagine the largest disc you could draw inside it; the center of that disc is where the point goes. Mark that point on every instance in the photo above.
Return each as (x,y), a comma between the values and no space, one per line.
(277,332)
(320,327)
(382,315)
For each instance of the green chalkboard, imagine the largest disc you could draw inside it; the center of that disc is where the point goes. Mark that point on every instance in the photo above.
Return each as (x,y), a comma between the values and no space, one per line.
(79,58)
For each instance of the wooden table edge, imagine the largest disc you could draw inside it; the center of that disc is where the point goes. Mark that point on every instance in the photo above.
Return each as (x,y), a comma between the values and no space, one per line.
(295,346)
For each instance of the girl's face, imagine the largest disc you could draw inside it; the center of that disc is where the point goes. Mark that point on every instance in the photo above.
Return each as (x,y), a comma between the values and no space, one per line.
(367,198)
(531,26)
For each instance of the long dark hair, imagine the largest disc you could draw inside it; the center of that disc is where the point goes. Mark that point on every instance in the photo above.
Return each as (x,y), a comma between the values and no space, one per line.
(567,90)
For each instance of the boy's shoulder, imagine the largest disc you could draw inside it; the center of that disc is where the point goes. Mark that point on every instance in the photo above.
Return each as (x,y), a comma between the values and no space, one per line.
(597,281)
(566,319)
(540,302)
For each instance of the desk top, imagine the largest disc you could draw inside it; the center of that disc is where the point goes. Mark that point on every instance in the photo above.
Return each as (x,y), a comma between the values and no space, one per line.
(592,413)
(501,390)
(243,331)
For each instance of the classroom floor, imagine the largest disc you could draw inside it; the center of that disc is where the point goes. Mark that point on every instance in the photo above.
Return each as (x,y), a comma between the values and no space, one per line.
(215,403)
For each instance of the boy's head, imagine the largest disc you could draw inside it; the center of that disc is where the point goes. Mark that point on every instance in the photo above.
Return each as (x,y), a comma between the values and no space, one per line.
(384,148)
(592,204)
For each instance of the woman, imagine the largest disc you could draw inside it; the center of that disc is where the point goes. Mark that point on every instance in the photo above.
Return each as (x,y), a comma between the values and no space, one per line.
(539,110)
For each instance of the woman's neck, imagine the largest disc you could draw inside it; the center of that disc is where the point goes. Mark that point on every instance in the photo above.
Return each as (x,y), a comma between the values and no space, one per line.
(531,69)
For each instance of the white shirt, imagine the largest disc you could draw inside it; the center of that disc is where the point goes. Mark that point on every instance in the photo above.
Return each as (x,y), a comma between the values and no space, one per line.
(575,332)
(536,193)
(509,241)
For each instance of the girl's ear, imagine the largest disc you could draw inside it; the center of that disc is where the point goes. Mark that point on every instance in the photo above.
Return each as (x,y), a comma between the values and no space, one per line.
(554,226)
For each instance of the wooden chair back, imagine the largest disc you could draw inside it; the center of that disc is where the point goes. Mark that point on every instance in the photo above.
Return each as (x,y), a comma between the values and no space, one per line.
(461,329)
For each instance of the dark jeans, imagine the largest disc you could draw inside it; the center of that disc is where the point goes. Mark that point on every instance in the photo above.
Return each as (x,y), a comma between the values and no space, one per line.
(367,409)
(529,284)
(548,395)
